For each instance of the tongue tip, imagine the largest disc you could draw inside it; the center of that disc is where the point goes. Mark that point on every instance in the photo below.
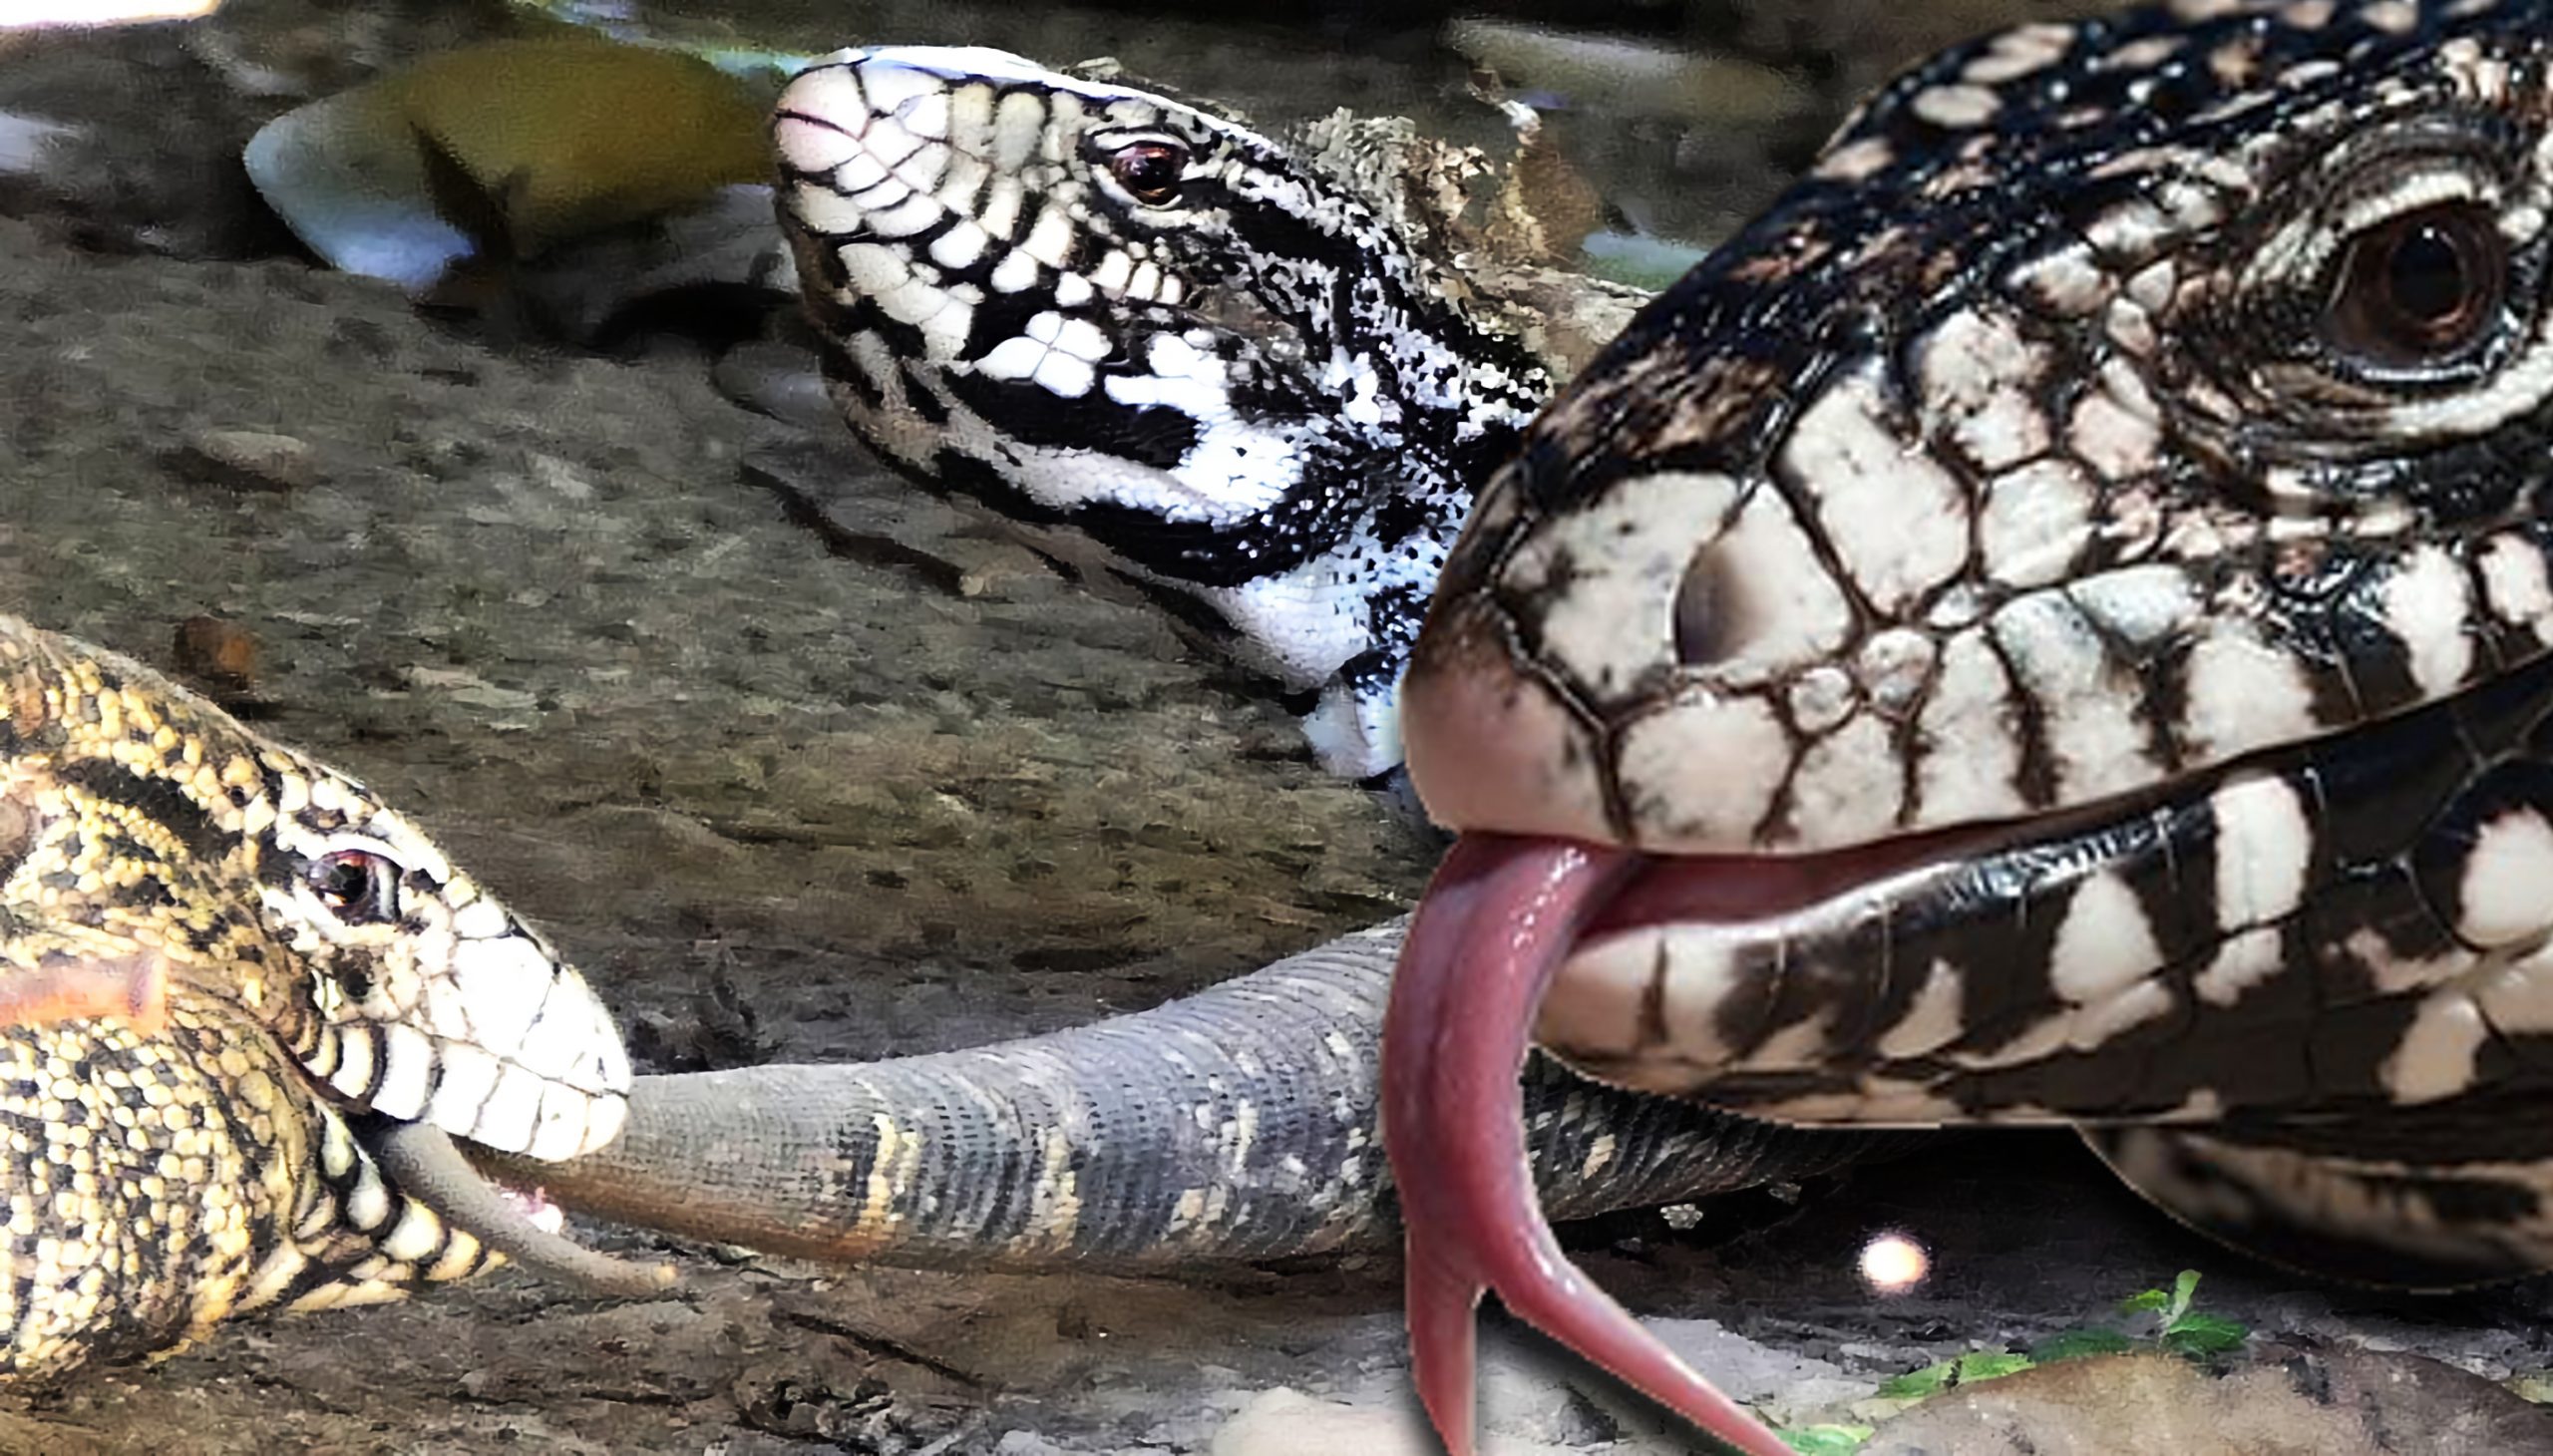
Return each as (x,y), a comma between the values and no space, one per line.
(1481,951)
(1443,1309)
(1598,1329)
(1451,1264)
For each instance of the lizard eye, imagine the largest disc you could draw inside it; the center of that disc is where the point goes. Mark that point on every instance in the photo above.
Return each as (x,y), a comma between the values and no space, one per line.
(2421,288)
(1150,172)
(362,888)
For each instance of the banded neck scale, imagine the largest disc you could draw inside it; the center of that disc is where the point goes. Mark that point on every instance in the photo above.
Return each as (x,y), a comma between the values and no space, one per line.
(2050,624)
(1176,351)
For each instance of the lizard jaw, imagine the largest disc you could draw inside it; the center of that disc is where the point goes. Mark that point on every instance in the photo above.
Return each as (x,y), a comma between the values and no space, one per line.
(425,1163)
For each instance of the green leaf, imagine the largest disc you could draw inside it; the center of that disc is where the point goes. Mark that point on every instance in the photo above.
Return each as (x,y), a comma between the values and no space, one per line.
(2138,1303)
(1826,1439)
(1967,1370)
(1989,1366)
(2535,1387)
(2074,1344)
(2204,1334)
(1916,1384)
(2184,1290)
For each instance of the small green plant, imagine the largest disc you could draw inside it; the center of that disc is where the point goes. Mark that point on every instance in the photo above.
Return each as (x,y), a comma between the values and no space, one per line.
(2185,1331)
(1824,1440)
(1965,1369)
(2179,1330)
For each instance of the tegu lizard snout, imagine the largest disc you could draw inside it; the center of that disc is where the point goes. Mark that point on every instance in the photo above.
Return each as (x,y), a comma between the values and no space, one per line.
(149,816)
(135,814)
(434,1002)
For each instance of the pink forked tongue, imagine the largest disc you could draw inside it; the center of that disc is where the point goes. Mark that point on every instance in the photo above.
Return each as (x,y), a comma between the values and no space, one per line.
(64,987)
(1494,929)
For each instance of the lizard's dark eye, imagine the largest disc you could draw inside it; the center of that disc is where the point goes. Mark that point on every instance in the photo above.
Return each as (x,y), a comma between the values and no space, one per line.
(362,888)
(2421,288)
(1150,172)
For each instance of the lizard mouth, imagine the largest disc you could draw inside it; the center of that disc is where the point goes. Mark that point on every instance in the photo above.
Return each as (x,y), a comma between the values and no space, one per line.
(423,1161)
(514,1219)
(2344,919)
(1698,971)
(1507,922)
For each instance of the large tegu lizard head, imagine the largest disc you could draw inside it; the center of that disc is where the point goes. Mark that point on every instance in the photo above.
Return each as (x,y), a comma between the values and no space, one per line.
(2052,621)
(139,818)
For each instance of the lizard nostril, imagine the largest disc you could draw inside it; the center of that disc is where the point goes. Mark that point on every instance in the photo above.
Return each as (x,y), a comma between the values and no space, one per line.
(1705,609)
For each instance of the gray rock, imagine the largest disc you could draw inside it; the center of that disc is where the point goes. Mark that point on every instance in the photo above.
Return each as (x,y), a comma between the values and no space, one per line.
(2335,1401)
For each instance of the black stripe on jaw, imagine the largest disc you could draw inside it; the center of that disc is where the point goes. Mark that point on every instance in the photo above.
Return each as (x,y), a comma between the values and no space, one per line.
(2316,1029)
(2294,1192)
(1309,519)
(2330,1019)
(2335,614)
(1153,436)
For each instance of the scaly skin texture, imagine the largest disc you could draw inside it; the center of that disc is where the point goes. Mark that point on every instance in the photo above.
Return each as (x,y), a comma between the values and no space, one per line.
(187,973)
(2055,616)
(2059,605)
(1240,1123)
(151,818)
(1257,380)
(167,943)
(2054,620)
(1237,1124)
(155,1194)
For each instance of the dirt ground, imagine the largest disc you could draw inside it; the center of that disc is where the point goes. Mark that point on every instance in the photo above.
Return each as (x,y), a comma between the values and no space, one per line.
(895,787)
